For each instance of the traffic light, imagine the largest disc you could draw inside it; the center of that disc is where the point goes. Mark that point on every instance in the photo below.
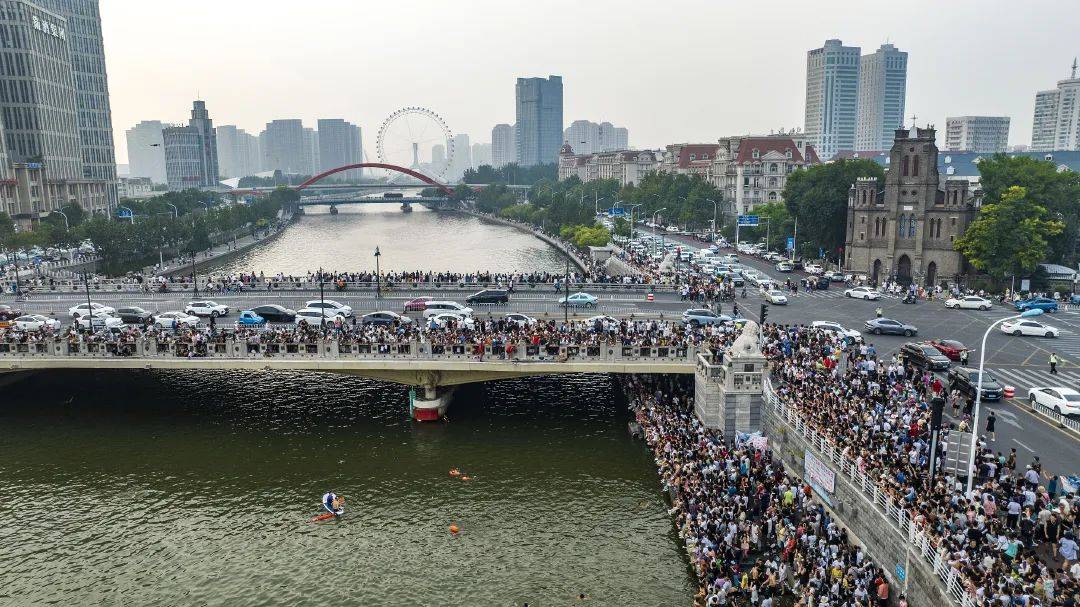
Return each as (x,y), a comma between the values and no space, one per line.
(764,313)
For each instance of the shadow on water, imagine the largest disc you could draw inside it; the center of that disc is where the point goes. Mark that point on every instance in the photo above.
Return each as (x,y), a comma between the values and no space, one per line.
(196,487)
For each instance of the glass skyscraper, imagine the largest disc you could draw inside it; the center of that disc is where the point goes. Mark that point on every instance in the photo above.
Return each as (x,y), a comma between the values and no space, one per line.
(882,89)
(832,97)
(539,127)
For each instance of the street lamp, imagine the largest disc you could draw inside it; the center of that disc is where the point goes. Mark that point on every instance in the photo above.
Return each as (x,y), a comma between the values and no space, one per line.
(713,218)
(632,207)
(596,205)
(175,211)
(978,391)
(67,224)
(378,280)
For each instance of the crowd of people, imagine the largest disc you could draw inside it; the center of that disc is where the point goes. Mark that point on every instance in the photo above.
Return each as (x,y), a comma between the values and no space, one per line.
(754,533)
(1012,539)
(497,335)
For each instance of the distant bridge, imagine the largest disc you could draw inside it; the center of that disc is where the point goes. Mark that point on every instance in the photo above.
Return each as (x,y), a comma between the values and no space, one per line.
(427,181)
(312,202)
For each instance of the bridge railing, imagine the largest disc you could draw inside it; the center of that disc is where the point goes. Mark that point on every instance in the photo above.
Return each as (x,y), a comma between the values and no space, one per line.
(894,513)
(351,288)
(241,348)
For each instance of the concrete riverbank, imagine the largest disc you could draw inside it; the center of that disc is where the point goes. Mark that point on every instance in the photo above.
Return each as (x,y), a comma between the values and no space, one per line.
(575,259)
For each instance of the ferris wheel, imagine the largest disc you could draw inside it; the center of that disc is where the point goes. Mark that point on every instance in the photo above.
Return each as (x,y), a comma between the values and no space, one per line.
(412,132)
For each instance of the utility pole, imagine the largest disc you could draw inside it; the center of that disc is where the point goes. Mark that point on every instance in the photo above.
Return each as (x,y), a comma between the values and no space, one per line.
(194,276)
(795,239)
(322,302)
(89,306)
(378,278)
(566,295)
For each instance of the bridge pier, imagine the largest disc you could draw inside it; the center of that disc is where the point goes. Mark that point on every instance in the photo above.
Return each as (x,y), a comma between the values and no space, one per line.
(431,402)
(406,207)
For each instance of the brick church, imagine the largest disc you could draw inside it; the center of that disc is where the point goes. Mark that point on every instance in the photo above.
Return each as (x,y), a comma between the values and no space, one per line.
(906,231)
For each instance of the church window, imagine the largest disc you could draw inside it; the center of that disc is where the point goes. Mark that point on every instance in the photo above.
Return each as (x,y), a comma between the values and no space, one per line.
(900,227)
(915,168)
(904,166)
(911,227)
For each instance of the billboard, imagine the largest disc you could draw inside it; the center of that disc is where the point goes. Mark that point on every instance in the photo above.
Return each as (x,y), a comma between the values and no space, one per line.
(748,221)
(820,476)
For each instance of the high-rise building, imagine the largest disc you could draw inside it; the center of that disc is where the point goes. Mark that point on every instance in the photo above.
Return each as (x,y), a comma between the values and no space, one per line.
(481,154)
(461,161)
(882,89)
(282,147)
(44,168)
(1056,124)
(438,157)
(238,152)
(587,137)
(146,151)
(91,88)
(311,151)
(832,97)
(340,145)
(985,134)
(191,159)
(503,150)
(539,127)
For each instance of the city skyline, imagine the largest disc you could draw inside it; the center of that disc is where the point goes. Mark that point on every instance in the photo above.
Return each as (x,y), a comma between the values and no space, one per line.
(944,78)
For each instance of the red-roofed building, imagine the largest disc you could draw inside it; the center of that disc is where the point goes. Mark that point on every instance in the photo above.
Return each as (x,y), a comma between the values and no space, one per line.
(628,166)
(761,166)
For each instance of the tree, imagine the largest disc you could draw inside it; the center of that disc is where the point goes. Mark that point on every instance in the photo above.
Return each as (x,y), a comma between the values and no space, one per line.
(1058,192)
(817,197)
(7,228)
(622,227)
(586,236)
(1009,236)
(686,200)
(776,223)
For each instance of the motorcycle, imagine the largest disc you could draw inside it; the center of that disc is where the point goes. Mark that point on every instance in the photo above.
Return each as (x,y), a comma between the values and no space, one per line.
(909,299)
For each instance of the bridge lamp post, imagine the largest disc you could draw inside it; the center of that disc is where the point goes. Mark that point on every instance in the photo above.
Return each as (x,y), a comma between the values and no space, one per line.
(632,207)
(322,302)
(978,391)
(194,276)
(89,306)
(378,277)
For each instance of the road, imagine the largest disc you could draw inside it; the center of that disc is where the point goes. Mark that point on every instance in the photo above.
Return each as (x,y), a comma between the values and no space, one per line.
(1021,362)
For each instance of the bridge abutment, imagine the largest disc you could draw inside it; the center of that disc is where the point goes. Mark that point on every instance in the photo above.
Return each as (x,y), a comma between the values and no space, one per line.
(431,402)
(727,386)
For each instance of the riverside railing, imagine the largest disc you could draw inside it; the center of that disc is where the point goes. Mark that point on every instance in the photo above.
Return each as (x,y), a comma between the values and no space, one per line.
(894,513)
(330,289)
(241,348)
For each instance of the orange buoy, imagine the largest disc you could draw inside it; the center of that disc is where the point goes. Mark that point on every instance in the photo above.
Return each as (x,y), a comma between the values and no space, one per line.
(466,478)
(455,472)
(1009,391)
(454,529)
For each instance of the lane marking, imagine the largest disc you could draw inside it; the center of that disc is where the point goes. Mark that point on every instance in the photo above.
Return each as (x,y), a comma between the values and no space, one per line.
(1023,445)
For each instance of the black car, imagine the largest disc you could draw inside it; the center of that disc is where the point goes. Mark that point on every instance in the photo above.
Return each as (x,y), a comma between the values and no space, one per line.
(965,378)
(817,282)
(489,296)
(9,313)
(134,315)
(924,356)
(275,313)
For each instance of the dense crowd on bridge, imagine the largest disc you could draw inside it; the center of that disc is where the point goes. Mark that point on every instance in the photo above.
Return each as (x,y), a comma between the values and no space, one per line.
(1012,540)
(498,336)
(754,533)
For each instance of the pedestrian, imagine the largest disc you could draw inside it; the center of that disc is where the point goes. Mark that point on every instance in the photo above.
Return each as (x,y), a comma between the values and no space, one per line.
(991,421)
(1053,363)
(877,312)
(964,357)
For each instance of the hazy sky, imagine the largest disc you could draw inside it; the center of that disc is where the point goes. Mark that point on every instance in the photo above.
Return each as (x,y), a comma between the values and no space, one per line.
(669,71)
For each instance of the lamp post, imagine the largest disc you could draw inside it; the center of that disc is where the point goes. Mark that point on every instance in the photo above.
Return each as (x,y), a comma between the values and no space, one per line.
(89,306)
(632,207)
(713,218)
(194,276)
(67,224)
(378,279)
(978,391)
(322,303)
(596,205)
(175,211)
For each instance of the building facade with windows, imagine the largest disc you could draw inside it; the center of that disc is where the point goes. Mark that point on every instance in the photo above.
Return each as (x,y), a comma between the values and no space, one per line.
(238,152)
(44,164)
(282,146)
(340,145)
(983,134)
(1056,123)
(502,145)
(539,126)
(627,166)
(882,91)
(146,151)
(760,169)
(906,231)
(191,159)
(832,97)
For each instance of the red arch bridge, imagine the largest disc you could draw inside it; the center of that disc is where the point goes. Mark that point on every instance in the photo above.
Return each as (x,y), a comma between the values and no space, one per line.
(312,183)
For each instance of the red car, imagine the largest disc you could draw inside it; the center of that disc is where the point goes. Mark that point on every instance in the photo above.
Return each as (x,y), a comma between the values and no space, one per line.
(949,347)
(417,305)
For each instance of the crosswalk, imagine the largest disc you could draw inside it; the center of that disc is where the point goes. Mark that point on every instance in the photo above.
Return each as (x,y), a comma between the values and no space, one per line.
(837,293)
(1025,378)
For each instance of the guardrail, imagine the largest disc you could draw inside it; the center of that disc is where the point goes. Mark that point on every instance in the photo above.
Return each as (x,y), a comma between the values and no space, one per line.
(232,348)
(1063,421)
(893,512)
(70,286)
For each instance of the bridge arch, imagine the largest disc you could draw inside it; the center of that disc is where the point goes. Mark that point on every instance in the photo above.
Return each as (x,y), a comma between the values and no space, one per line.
(376,165)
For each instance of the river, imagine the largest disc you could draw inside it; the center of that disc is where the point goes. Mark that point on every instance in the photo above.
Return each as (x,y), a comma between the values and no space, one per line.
(195,488)
(421,240)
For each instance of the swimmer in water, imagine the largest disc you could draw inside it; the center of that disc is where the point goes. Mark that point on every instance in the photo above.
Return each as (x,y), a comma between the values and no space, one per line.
(333,503)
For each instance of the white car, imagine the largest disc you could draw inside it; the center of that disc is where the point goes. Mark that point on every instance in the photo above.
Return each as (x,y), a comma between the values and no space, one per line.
(862,293)
(813,268)
(206,308)
(785,266)
(175,320)
(35,322)
(969,302)
(520,319)
(79,310)
(443,319)
(837,329)
(439,307)
(1024,326)
(776,298)
(315,316)
(1064,401)
(100,320)
(338,309)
